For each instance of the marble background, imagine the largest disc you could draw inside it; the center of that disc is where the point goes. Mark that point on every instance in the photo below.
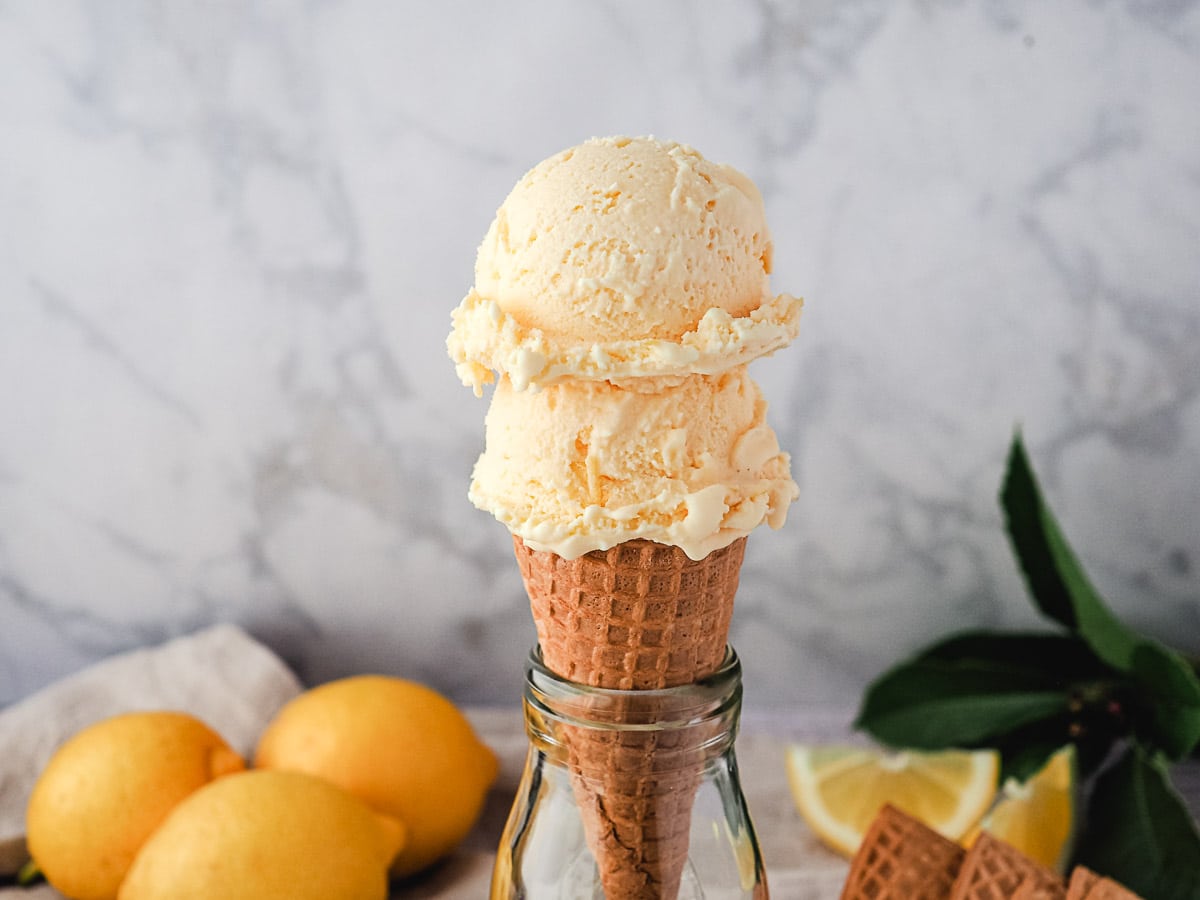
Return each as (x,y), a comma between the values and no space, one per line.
(231,235)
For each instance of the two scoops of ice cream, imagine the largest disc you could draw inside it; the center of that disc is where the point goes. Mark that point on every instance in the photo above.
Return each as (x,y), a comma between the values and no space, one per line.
(619,295)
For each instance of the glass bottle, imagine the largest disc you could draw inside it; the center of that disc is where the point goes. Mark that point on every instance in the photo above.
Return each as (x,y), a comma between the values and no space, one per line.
(630,794)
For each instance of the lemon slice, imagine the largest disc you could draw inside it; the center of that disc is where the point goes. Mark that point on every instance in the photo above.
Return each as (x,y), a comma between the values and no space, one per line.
(1037,816)
(839,789)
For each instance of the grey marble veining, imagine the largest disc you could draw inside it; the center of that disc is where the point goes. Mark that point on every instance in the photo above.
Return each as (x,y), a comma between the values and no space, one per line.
(231,235)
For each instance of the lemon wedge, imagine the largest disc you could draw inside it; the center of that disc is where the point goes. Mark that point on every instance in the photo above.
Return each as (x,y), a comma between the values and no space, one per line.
(1036,816)
(839,789)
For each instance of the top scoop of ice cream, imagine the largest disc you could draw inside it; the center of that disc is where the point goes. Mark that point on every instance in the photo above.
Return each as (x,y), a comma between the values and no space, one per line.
(622,239)
(622,258)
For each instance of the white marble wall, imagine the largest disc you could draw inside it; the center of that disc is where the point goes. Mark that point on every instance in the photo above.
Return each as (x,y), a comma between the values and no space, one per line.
(231,234)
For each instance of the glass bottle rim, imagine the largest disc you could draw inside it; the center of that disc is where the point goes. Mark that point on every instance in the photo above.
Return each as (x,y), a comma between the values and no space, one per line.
(654,709)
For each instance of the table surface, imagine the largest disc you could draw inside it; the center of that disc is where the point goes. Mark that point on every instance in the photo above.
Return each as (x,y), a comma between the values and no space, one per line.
(798,866)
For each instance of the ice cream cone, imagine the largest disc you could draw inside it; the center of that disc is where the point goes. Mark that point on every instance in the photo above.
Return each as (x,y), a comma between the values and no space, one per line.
(638,617)
(902,859)
(619,295)
(1087,885)
(993,870)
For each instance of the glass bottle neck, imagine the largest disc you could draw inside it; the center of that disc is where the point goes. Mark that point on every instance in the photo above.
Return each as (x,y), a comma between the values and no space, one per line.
(700,717)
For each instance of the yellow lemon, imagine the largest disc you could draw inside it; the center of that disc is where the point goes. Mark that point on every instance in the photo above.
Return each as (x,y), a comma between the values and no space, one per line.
(400,746)
(107,788)
(267,836)
(839,789)
(1037,816)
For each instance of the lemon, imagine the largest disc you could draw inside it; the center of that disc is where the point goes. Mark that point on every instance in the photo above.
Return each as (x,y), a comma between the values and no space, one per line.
(108,787)
(267,836)
(839,789)
(398,745)
(1037,816)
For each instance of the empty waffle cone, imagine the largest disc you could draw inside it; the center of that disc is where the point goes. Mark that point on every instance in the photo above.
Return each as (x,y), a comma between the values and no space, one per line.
(900,858)
(640,616)
(993,870)
(1087,885)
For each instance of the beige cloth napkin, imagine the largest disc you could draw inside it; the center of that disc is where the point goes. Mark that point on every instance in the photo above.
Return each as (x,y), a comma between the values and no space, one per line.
(220,675)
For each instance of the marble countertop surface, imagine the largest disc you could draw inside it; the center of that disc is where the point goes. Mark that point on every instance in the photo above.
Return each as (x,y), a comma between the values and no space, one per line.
(232,234)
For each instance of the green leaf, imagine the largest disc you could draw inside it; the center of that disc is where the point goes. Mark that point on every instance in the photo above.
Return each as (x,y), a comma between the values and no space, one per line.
(1139,832)
(1034,657)
(973,689)
(1062,591)
(1059,586)
(970,719)
(1027,530)
(1173,723)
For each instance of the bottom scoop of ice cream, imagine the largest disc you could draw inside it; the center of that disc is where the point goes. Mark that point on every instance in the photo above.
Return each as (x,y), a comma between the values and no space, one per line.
(586,466)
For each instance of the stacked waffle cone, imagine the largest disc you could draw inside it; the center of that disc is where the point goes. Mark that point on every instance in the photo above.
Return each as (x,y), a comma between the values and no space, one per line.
(902,859)
(640,616)
(619,295)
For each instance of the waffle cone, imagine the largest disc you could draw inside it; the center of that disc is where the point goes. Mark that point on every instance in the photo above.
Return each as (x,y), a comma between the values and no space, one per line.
(640,616)
(1083,882)
(1087,885)
(900,858)
(992,870)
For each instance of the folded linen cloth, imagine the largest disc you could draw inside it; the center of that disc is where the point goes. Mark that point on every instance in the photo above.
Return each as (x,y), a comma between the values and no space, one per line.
(220,675)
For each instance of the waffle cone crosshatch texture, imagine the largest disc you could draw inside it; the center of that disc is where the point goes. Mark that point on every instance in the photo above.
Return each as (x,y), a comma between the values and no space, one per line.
(994,869)
(902,859)
(640,615)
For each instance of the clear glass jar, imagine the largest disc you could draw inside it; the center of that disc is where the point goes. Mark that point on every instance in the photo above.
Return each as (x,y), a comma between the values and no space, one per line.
(630,794)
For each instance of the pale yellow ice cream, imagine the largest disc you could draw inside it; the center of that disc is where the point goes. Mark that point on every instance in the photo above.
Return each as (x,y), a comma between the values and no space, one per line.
(619,294)
(587,465)
(622,258)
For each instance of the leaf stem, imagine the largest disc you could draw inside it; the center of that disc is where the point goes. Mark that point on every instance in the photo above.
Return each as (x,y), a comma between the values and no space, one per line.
(29,874)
